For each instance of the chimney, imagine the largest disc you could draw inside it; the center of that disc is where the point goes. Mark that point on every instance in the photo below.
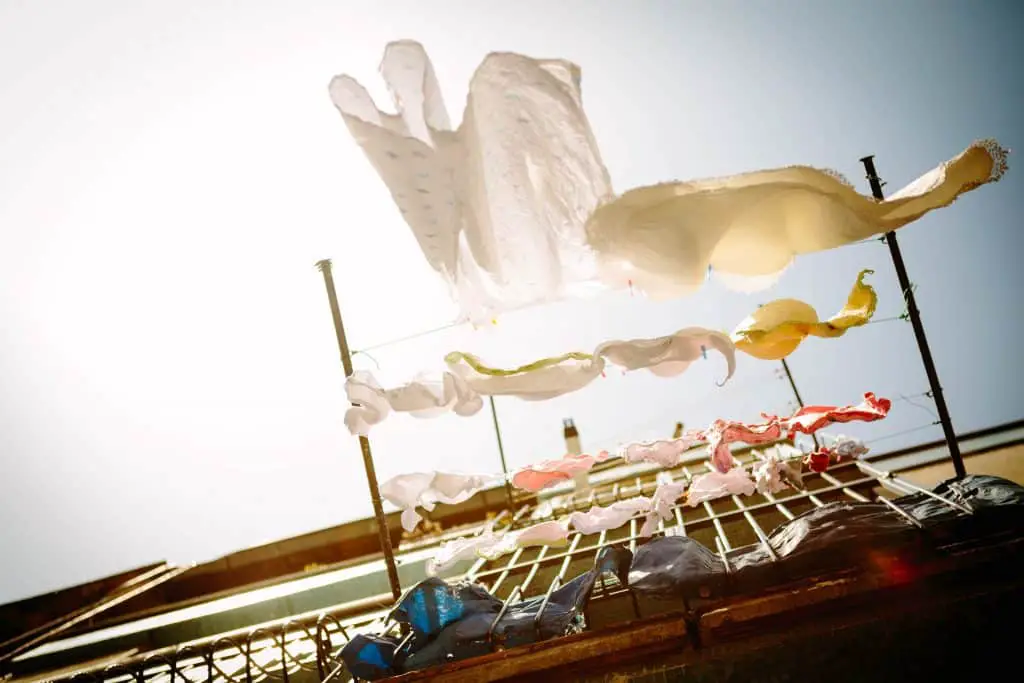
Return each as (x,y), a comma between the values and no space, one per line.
(573,447)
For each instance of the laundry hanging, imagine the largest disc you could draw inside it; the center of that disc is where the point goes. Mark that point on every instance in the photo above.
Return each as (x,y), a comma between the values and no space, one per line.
(776,329)
(426,489)
(499,204)
(515,207)
(459,389)
(661,239)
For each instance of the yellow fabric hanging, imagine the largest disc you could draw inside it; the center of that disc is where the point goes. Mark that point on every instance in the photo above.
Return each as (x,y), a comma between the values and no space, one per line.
(776,329)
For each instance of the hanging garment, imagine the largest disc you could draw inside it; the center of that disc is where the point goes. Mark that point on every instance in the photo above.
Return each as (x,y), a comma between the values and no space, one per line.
(810,419)
(459,390)
(776,329)
(662,502)
(498,205)
(665,356)
(420,398)
(537,381)
(598,519)
(550,472)
(847,447)
(665,452)
(778,468)
(427,489)
(715,484)
(662,238)
(722,433)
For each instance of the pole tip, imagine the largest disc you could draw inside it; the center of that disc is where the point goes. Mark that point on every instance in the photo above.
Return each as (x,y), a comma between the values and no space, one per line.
(323,265)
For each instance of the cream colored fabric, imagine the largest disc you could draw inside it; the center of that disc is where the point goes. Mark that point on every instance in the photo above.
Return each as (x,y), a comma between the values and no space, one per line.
(427,489)
(661,239)
(499,204)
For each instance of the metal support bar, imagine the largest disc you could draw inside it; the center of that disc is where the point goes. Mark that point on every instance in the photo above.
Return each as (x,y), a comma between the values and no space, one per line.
(501,452)
(364,443)
(915,321)
(799,401)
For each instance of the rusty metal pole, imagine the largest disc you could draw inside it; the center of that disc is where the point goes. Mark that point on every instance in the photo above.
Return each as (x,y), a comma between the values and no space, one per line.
(364,443)
(799,401)
(915,320)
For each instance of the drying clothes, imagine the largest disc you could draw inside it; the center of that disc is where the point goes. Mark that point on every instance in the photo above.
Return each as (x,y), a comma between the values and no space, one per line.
(459,390)
(665,452)
(776,329)
(664,499)
(810,419)
(426,489)
(843,447)
(543,379)
(848,447)
(778,468)
(598,519)
(420,398)
(721,433)
(553,533)
(491,545)
(662,238)
(715,484)
(550,472)
(666,356)
(498,205)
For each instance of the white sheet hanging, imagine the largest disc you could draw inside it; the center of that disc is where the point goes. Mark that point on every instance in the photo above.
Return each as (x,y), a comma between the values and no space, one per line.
(748,227)
(498,205)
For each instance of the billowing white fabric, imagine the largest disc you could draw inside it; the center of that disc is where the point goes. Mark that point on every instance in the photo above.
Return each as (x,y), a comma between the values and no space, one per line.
(598,519)
(459,390)
(715,484)
(662,502)
(421,398)
(662,238)
(498,206)
(426,489)
(777,469)
(663,452)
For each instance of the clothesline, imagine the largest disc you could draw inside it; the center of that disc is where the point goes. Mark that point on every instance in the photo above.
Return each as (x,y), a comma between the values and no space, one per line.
(904,432)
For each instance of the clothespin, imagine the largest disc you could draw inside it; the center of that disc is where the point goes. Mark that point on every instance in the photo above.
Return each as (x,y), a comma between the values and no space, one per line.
(704,351)
(494,321)
(630,287)
(708,276)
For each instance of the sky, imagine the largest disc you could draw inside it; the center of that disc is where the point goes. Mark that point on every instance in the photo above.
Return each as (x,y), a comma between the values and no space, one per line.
(170,386)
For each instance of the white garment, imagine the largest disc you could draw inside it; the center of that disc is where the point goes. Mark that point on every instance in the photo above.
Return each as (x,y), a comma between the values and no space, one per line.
(715,484)
(662,238)
(459,390)
(421,398)
(664,499)
(499,205)
(426,489)
(777,469)
(847,447)
(598,519)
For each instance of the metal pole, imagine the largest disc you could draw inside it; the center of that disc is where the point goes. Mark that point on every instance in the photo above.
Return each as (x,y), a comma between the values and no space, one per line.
(799,401)
(915,321)
(501,453)
(364,443)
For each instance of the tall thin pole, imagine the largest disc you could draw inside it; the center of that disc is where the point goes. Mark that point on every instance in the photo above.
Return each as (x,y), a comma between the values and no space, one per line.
(364,443)
(915,321)
(799,401)
(501,453)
